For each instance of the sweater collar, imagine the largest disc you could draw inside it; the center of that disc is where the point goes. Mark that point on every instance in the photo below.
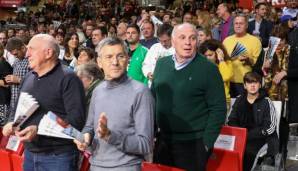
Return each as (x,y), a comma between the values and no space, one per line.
(116,82)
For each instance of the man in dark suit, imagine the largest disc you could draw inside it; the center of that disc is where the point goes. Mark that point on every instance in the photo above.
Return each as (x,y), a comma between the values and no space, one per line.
(260,26)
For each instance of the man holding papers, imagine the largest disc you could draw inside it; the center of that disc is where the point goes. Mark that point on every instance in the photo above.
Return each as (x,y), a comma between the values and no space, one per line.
(244,50)
(55,89)
(120,119)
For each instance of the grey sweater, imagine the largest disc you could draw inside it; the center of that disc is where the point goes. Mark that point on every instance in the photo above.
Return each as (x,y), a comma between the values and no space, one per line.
(129,107)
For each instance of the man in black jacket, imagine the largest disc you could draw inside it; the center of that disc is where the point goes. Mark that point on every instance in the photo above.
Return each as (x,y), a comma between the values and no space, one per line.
(292,77)
(255,112)
(260,26)
(55,89)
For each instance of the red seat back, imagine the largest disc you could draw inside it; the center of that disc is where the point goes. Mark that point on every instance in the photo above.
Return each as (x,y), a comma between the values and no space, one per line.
(85,165)
(146,166)
(222,160)
(17,162)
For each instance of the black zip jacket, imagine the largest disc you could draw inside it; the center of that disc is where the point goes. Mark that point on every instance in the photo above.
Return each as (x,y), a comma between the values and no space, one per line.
(264,116)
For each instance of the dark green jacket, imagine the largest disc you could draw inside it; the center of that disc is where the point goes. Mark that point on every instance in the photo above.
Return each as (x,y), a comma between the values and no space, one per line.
(190,103)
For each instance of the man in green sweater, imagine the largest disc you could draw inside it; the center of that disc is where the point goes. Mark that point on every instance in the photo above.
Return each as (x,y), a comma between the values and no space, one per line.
(137,54)
(190,104)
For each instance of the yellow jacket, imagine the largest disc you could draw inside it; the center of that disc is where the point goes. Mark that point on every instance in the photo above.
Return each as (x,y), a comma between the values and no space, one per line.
(253,49)
(226,71)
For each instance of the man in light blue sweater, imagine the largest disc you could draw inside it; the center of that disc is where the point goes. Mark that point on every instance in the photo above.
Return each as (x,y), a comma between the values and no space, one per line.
(120,119)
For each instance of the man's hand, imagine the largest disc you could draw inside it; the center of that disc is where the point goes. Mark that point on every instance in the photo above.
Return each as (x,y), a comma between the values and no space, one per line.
(245,60)
(2,84)
(82,146)
(102,128)
(8,129)
(27,134)
(12,79)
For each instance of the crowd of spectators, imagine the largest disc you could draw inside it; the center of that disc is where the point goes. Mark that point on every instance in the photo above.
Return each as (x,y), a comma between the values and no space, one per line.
(91,35)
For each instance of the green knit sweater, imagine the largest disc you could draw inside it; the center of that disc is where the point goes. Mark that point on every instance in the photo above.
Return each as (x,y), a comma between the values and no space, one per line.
(190,103)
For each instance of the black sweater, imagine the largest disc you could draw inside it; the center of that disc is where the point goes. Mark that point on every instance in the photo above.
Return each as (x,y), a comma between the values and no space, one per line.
(61,92)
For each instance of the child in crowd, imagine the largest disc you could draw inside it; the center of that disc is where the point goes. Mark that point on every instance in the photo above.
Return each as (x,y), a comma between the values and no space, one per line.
(254,111)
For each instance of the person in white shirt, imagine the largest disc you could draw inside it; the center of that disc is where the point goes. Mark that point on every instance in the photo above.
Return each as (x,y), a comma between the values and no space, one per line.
(158,50)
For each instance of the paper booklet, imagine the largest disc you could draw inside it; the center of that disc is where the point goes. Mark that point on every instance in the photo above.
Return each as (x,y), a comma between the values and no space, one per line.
(226,142)
(53,126)
(239,49)
(272,46)
(27,105)
(13,143)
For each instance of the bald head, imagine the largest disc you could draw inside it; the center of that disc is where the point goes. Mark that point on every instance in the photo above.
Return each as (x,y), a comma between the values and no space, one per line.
(184,41)
(47,41)
(42,53)
(180,28)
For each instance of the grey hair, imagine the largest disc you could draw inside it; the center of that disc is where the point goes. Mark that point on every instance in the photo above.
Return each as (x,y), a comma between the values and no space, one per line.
(179,26)
(51,42)
(110,41)
(89,70)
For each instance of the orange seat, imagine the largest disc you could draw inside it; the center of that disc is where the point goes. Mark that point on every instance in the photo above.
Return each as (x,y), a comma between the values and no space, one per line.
(223,160)
(17,162)
(146,166)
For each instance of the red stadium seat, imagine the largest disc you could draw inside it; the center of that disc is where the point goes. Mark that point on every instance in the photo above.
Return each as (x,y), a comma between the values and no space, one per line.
(223,160)
(146,166)
(85,163)
(5,154)
(17,162)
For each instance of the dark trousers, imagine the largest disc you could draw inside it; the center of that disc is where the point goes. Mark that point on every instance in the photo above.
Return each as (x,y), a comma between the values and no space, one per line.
(189,155)
(254,145)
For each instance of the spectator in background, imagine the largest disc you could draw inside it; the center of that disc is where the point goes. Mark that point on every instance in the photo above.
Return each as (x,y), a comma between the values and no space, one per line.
(260,26)
(60,40)
(86,55)
(147,30)
(203,35)
(10,32)
(215,26)
(90,75)
(123,135)
(244,62)
(291,8)
(7,55)
(167,18)
(16,47)
(275,69)
(98,34)
(203,19)
(187,17)
(216,53)
(159,50)
(137,54)
(226,28)
(5,94)
(71,45)
(189,117)
(88,34)
(121,30)
(255,112)
(112,29)
(292,77)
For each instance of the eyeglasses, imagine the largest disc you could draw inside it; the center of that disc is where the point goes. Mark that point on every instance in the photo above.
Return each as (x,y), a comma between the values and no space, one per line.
(111,58)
